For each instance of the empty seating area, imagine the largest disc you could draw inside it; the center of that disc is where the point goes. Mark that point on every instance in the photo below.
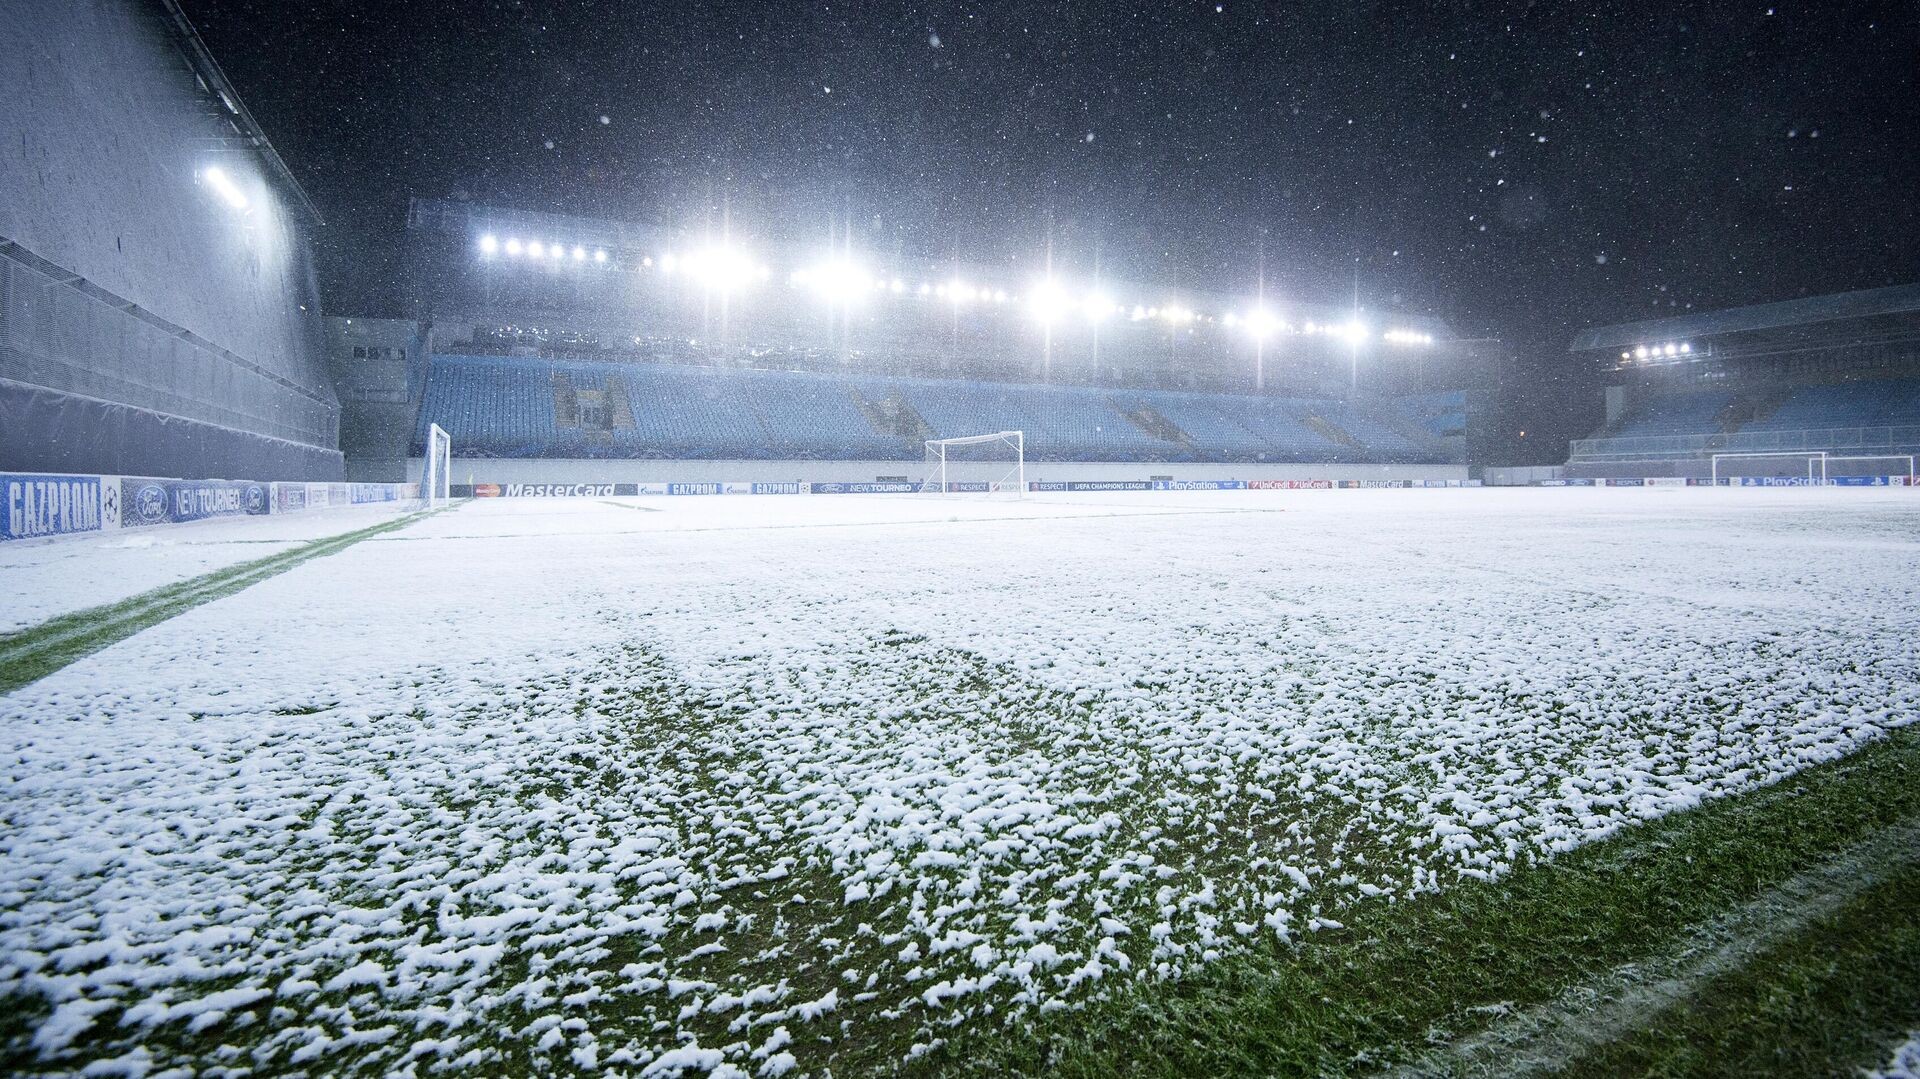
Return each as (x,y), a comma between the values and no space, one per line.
(525,407)
(1869,415)
(1883,403)
(1675,414)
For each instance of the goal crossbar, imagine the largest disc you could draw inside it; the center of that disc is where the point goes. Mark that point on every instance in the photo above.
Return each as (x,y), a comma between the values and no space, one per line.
(1833,459)
(1813,458)
(1007,475)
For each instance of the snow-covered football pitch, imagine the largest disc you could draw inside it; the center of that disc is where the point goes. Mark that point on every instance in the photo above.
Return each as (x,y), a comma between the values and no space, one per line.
(758,784)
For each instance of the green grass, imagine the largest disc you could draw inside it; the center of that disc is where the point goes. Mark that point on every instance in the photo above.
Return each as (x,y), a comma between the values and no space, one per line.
(1401,978)
(1832,1000)
(31,654)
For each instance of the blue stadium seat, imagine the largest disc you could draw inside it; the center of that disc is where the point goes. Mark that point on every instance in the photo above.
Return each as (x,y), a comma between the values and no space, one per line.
(1675,414)
(505,406)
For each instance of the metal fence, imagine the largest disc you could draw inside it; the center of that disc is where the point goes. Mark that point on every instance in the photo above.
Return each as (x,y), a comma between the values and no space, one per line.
(1902,439)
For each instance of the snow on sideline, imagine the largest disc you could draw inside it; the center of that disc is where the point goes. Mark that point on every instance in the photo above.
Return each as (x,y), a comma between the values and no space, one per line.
(698,790)
(63,574)
(1904,1063)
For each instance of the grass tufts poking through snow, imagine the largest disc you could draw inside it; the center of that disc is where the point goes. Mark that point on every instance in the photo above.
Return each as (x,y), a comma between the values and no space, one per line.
(808,799)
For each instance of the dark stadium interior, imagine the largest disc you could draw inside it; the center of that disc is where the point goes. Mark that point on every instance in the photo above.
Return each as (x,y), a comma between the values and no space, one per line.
(1520,171)
(1196,538)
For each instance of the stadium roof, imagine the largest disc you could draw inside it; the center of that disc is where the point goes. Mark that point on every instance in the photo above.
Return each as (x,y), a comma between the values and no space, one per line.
(247,130)
(1809,310)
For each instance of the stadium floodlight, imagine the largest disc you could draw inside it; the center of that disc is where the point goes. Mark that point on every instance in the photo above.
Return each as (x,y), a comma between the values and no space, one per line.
(898,286)
(223,185)
(838,281)
(1685,347)
(579,254)
(1137,313)
(1047,300)
(722,269)
(535,249)
(1176,314)
(1261,323)
(1097,307)
(513,246)
(999,295)
(489,244)
(925,288)
(600,255)
(1640,353)
(669,262)
(960,292)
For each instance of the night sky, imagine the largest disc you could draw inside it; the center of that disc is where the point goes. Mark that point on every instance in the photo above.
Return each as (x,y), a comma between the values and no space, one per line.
(1521,170)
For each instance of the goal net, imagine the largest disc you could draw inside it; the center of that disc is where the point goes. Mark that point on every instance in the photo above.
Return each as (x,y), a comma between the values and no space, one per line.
(436,467)
(1871,468)
(1771,469)
(978,464)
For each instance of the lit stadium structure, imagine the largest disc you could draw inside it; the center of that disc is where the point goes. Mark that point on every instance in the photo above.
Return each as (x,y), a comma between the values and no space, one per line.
(557,337)
(469,261)
(158,307)
(1761,390)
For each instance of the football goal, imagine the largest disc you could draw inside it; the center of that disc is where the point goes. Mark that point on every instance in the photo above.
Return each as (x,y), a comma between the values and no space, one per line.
(1795,468)
(976,464)
(436,467)
(1874,467)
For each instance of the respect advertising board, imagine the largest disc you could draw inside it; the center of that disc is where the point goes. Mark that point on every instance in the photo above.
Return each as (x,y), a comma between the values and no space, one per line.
(1290,485)
(1090,485)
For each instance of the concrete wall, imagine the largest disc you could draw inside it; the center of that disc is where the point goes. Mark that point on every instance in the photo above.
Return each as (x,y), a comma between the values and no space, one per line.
(499,470)
(105,139)
(373,362)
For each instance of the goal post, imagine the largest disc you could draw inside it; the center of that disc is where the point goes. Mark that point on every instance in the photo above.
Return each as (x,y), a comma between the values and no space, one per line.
(1782,465)
(976,464)
(1877,467)
(436,467)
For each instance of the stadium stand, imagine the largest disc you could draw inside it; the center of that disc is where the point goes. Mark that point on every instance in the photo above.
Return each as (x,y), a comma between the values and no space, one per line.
(1443,415)
(1834,374)
(1682,413)
(507,406)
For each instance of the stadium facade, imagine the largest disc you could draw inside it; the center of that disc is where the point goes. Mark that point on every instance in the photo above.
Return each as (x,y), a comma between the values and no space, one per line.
(159,317)
(1763,389)
(557,348)
(158,307)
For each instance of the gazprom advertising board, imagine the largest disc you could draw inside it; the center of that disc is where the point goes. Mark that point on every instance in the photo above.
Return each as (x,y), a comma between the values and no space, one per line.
(33,505)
